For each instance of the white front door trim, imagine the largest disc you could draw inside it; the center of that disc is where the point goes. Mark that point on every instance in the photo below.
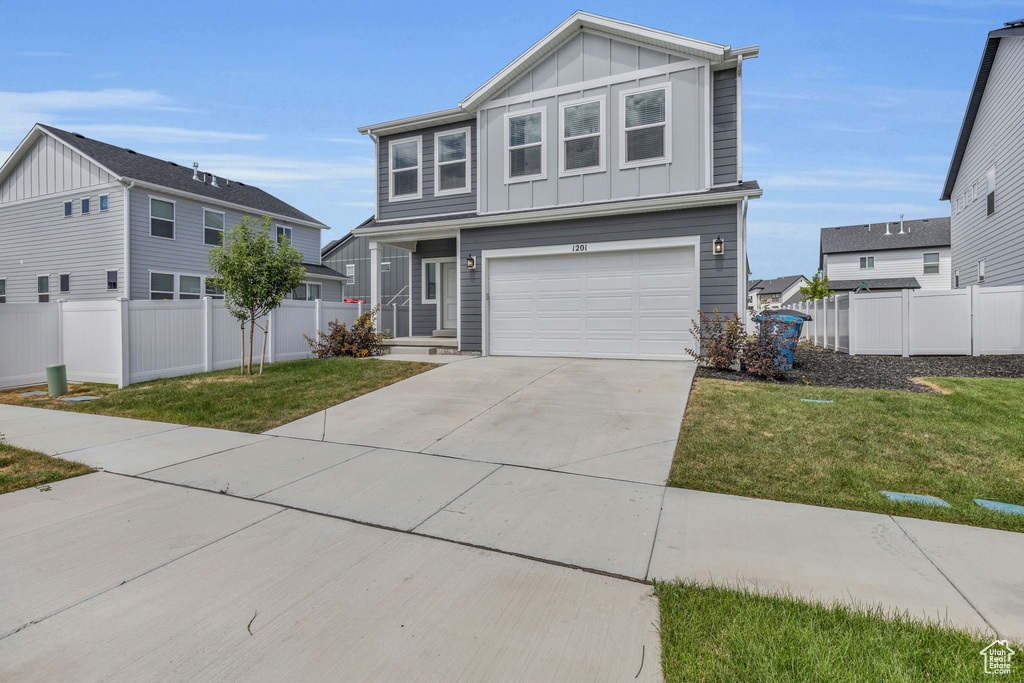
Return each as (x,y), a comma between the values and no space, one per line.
(575,247)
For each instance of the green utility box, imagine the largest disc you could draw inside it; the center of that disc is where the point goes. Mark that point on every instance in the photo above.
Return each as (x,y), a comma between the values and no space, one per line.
(57,380)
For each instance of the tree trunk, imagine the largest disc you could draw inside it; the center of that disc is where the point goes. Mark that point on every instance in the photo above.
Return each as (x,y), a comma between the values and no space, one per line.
(241,353)
(263,351)
(252,333)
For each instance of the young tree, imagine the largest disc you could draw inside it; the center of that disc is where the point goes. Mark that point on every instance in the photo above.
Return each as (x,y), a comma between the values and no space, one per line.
(816,288)
(256,272)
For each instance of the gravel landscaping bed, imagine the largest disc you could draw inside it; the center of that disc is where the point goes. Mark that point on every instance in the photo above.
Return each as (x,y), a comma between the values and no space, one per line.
(820,367)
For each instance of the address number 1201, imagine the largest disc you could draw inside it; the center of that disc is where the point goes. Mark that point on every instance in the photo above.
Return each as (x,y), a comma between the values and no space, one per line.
(579,247)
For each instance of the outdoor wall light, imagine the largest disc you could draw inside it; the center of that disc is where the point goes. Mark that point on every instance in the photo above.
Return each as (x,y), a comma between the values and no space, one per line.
(719,246)
(470,262)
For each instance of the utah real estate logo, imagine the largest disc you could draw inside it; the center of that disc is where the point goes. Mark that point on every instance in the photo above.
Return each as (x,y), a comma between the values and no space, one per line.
(997,657)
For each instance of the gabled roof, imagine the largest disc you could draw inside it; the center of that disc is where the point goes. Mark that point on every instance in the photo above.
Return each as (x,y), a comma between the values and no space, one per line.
(579,21)
(779,284)
(342,241)
(917,234)
(753,284)
(319,270)
(988,57)
(128,165)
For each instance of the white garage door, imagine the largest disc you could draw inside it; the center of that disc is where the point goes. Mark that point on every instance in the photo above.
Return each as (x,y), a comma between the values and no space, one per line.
(616,304)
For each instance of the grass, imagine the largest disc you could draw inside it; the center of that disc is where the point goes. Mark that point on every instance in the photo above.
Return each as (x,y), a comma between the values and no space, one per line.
(716,634)
(762,441)
(21,469)
(226,400)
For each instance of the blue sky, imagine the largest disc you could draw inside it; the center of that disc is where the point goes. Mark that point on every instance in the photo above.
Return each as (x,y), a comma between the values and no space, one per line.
(850,113)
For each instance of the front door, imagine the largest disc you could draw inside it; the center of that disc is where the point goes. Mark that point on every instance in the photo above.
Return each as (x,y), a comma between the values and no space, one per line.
(449,295)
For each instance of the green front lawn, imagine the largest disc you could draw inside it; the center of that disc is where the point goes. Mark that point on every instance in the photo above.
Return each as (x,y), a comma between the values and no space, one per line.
(763,441)
(20,469)
(226,400)
(714,634)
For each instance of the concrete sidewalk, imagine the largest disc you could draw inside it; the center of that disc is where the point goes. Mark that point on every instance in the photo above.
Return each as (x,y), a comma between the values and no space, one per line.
(111,577)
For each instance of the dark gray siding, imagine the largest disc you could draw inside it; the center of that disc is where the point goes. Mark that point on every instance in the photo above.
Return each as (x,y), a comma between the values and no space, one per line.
(718,275)
(725,139)
(356,251)
(424,316)
(429,205)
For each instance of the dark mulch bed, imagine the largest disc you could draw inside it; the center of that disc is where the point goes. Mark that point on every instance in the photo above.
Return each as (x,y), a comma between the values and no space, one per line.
(820,367)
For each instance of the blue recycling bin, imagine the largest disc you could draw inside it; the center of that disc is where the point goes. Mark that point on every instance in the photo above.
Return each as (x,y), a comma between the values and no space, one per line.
(795,321)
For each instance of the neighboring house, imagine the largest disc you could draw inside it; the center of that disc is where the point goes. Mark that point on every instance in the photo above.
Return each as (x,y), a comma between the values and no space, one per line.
(350,255)
(882,256)
(585,201)
(775,293)
(81,219)
(985,183)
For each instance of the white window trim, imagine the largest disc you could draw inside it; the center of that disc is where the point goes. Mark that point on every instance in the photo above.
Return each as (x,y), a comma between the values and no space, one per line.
(85,199)
(602,144)
(543,175)
(177,285)
(667,157)
(437,273)
(867,261)
(438,163)
(174,223)
(350,270)
(937,263)
(4,294)
(383,269)
(59,276)
(306,284)
(64,206)
(418,167)
(224,222)
(101,202)
(49,288)
(106,278)
(290,234)
(981,270)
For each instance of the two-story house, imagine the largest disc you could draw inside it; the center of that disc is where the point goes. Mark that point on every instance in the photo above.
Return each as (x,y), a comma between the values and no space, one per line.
(81,219)
(585,201)
(985,183)
(887,256)
(775,293)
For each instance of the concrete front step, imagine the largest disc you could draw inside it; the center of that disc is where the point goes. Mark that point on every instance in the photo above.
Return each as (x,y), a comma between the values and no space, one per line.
(430,342)
(413,350)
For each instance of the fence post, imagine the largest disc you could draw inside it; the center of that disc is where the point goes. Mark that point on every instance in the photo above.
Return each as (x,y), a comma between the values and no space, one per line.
(852,326)
(394,320)
(60,331)
(208,334)
(974,319)
(905,323)
(360,308)
(835,322)
(319,318)
(271,328)
(125,350)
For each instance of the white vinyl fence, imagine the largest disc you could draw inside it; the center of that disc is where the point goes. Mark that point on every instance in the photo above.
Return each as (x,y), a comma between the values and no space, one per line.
(122,342)
(956,322)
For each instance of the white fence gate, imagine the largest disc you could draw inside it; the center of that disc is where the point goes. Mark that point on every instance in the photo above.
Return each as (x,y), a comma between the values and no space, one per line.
(973,321)
(122,342)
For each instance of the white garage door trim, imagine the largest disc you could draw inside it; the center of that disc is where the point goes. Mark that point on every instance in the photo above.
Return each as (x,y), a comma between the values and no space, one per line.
(580,247)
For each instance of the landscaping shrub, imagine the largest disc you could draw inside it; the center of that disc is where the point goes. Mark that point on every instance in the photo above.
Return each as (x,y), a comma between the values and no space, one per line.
(720,339)
(764,354)
(360,341)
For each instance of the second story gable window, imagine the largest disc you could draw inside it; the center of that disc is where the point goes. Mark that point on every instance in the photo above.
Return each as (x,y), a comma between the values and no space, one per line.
(931,264)
(161,218)
(867,262)
(524,133)
(645,131)
(104,202)
(68,206)
(213,227)
(85,205)
(404,181)
(582,125)
(284,233)
(451,161)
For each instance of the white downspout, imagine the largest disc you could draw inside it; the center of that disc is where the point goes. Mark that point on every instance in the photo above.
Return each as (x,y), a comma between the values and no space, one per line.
(741,258)
(127,236)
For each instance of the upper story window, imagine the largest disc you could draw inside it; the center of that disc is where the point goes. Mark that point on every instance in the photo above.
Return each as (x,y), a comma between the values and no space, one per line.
(104,202)
(582,125)
(68,207)
(981,270)
(350,270)
(776,298)
(3,290)
(525,157)
(65,282)
(645,131)
(43,288)
(213,227)
(931,264)
(990,198)
(86,205)
(956,278)
(111,279)
(161,218)
(284,233)
(451,153)
(867,262)
(405,156)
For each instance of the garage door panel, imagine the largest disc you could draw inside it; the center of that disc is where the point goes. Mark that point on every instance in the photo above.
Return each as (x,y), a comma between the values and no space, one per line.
(621,304)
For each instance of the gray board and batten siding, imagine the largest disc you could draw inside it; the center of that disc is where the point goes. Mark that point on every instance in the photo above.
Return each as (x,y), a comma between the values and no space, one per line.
(725,128)
(718,274)
(51,167)
(186,253)
(424,316)
(428,204)
(590,65)
(355,251)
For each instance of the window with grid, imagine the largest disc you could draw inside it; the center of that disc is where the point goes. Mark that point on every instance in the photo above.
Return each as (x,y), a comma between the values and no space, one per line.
(582,136)
(452,150)
(646,117)
(526,145)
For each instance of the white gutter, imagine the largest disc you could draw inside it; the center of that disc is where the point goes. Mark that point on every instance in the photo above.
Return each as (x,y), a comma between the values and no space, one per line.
(127,240)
